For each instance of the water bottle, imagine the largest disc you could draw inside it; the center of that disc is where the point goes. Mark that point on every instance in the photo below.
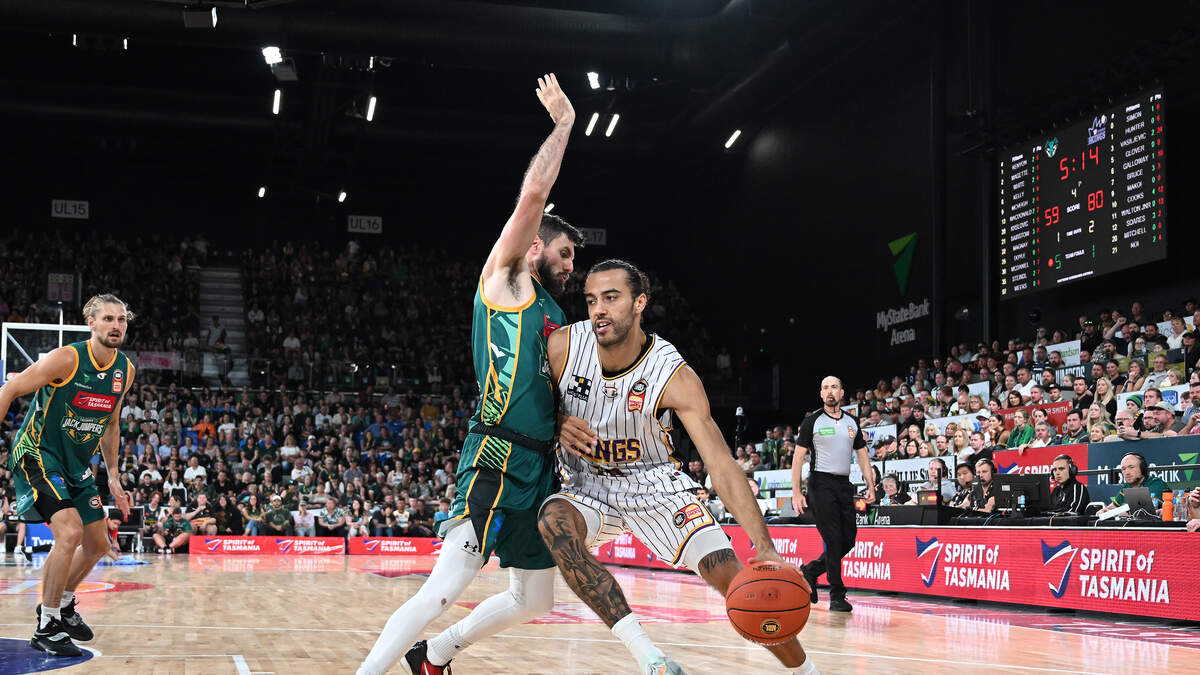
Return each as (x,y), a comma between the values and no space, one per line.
(1180,506)
(1021,501)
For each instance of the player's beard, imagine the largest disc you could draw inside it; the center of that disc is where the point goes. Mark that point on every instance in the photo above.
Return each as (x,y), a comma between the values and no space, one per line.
(111,342)
(618,331)
(547,276)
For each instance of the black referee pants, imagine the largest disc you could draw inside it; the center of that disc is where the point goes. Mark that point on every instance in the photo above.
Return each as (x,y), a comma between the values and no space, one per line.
(831,499)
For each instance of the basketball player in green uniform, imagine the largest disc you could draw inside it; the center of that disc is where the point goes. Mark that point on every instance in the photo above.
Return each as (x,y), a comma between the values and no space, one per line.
(507,465)
(78,390)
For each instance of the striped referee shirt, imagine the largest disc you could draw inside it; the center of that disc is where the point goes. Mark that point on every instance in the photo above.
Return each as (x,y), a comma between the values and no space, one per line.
(831,441)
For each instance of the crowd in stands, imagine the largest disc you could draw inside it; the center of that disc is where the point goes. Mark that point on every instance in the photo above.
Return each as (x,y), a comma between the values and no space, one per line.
(373,315)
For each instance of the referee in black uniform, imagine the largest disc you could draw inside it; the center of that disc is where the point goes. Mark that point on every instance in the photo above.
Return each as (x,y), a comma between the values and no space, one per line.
(833,439)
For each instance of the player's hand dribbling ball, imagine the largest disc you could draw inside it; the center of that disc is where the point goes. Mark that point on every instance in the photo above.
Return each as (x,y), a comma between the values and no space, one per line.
(767,602)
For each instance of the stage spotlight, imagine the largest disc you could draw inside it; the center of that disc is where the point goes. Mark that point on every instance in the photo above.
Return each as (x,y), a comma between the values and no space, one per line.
(262,192)
(275,103)
(272,55)
(199,17)
(594,80)
(341,196)
(612,125)
(733,138)
(592,124)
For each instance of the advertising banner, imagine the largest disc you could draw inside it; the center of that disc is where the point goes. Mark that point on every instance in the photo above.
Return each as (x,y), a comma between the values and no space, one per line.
(394,546)
(1056,413)
(1068,350)
(1145,573)
(1038,460)
(267,545)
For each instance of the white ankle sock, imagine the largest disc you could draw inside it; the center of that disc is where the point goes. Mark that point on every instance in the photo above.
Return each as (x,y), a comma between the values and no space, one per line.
(630,631)
(49,613)
(806,668)
(67,598)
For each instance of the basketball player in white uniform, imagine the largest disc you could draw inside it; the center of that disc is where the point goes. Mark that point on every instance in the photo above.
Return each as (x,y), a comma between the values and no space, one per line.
(625,384)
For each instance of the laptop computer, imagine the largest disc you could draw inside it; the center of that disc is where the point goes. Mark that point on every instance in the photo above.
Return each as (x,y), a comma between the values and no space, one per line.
(1141,505)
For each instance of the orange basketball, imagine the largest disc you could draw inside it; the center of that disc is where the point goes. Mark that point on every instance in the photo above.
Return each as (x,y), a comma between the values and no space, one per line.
(767,602)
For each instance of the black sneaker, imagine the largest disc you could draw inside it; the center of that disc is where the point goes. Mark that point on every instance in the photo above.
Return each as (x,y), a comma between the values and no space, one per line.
(54,639)
(811,578)
(76,628)
(840,605)
(420,665)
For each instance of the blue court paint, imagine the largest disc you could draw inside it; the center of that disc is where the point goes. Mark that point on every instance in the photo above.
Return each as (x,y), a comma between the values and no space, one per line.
(16,656)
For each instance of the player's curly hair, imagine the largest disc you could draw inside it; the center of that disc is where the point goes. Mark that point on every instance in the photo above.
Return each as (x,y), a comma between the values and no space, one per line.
(92,306)
(639,283)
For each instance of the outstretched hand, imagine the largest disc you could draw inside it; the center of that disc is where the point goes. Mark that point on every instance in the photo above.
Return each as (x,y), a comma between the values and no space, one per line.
(576,436)
(556,102)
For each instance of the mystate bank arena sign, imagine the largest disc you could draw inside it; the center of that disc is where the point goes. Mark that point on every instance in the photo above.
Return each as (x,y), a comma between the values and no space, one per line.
(889,319)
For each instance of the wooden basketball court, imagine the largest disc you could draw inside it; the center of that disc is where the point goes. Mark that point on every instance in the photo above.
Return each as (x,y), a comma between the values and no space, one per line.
(288,615)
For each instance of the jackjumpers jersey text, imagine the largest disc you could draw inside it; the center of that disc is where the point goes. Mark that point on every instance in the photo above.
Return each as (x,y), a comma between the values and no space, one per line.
(62,428)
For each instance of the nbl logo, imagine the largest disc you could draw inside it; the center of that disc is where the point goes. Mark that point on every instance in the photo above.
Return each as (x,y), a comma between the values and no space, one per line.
(1052,553)
(932,549)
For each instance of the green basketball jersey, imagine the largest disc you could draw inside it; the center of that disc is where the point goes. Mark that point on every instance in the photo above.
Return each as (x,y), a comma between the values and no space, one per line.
(62,428)
(508,345)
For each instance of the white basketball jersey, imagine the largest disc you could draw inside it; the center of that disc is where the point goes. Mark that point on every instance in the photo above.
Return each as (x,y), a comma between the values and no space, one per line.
(635,449)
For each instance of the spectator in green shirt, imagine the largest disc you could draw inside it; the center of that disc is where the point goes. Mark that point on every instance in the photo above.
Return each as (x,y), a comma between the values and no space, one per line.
(1134,470)
(1022,431)
(277,520)
(175,528)
(332,521)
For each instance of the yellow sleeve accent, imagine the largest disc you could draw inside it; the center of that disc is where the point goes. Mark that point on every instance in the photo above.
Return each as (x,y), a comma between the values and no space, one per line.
(74,370)
(503,308)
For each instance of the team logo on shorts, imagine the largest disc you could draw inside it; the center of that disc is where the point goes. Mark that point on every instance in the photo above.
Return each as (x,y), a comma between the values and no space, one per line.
(582,388)
(94,502)
(687,514)
(637,395)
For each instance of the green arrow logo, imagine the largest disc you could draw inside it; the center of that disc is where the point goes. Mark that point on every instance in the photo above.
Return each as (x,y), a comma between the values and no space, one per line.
(902,250)
(1188,458)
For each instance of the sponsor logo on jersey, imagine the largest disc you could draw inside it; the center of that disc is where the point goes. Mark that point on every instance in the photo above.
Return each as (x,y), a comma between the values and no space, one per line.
(687,514)
(618,450)
(611,390)
(581,389)
(637,395)
(118,375)
(99,402)
(549,327)
(58,480)
(118,382)
(82,429)
(101,375)
(827,431)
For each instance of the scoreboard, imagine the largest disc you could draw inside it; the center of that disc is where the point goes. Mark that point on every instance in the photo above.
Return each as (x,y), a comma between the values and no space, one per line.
(1084,201)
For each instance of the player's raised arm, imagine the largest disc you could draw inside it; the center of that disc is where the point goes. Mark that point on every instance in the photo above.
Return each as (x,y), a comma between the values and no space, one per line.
(55,368)
(507,258)
(685,395)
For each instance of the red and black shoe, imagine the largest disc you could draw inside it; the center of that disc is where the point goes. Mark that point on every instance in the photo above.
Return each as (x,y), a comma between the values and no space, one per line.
(418,661)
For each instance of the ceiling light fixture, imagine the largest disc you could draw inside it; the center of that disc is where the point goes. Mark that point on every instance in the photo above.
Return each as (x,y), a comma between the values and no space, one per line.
(612,125)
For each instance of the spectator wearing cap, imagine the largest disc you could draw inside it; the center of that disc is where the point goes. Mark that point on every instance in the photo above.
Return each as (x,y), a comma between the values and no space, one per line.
(884,446)
(278,520)
(1091,337)
(176,530)
(1158,420)
(1054,393)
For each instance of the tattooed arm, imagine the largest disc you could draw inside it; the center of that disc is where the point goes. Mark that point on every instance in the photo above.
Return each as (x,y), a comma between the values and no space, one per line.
(504,274)
(563,530)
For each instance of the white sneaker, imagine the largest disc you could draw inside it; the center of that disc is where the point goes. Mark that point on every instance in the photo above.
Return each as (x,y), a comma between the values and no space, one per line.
(663,665)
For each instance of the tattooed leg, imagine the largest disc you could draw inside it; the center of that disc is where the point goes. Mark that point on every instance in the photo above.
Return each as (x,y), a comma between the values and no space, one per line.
(718,569)
(563,529)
